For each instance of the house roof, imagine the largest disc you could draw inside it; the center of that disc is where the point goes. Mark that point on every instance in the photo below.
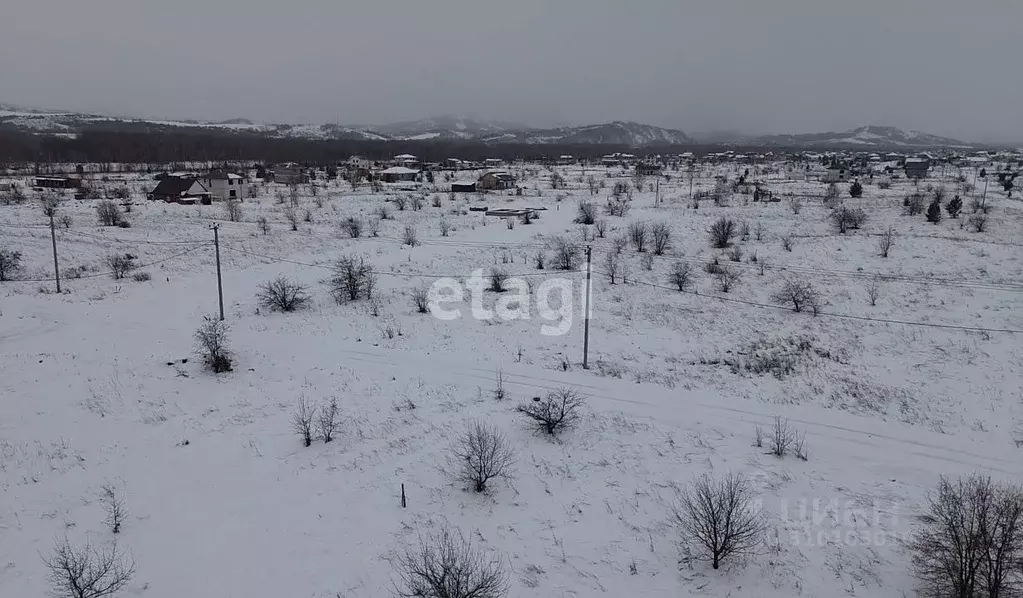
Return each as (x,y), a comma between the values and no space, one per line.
(399,170)
(176,186)
(404,157)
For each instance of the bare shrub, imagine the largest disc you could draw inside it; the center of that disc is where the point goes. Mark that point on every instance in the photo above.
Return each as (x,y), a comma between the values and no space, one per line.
(565,253)
(587,213)
(445,227)
(291,215)
(113,505)
(978,222)
(329,420)
(796,205)
(721,233)
(87,571)
(913,204)
(401,202)
(619,243)
(352,226)
(539,259)
(436,201)
(873,290)
(65,221)
(142,277)
(618,206)
(554,412)
(970,542)
(281,294)
(409,236)
(758,437)
(600,227)
(447,565)
(121,264)
(498,278)
(302,420)
(10,264)
(373,227)
(211,344)
(233,210)
(886,241)
(718,518)
(421,299)
(612,265)
(660,236)
(734,254)
(480,454)
(681,275)
(758,231)
(799,446)
(726,278)
(637,232)
(108,213)
(647,261)
(787,242)
(782,437)
(263,225)
(352,279)
(383,212)
(800,294)
(844,218)
(416,202)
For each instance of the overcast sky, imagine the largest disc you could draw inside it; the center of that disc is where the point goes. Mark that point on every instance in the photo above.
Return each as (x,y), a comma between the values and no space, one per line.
(943,66)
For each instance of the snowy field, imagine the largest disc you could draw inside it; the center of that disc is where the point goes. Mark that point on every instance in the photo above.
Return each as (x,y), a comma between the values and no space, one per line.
(101,386)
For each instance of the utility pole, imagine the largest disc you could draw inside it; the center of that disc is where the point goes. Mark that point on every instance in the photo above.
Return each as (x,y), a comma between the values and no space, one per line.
(53,239)
(657,198)
(220,286)
(586,315)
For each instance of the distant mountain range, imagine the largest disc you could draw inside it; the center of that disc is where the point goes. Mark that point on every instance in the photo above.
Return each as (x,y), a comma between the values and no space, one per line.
(456,128)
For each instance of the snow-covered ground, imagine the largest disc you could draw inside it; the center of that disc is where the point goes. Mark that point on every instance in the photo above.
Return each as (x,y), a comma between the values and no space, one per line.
(100,385)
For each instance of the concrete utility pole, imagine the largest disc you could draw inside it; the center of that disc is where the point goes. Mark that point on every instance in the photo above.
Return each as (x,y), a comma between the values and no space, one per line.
(220,285)
(586,315)
(53,239)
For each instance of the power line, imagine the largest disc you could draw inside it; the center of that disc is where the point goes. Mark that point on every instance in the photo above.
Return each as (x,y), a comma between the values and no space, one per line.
(829,314)
(98,274)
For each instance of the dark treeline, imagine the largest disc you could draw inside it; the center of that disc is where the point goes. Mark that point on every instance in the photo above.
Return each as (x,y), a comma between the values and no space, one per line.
(185,145)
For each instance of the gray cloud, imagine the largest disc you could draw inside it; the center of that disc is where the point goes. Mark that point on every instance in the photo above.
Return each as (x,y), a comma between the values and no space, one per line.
(944,66)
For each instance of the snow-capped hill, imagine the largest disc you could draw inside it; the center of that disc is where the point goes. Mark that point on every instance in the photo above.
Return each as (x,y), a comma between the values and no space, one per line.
(618,133)
(868,137)
(445,127)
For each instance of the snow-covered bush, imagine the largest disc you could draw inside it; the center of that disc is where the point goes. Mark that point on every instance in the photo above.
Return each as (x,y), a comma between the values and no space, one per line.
(554,412)
(480,454)
(447,565)
(211,344)
(281,294)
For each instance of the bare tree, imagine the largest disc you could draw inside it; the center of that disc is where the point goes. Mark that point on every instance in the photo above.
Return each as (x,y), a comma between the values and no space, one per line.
(617,207)
(302,420)
(800,294)
(718,518)
(660,236)
(782,437)
(263,224)
(416,202)
(401,201)
(352,226)
(374,227)
(612,265)
(844,218)
(351,280)
(108,213)
(447,565)
(121,264)
(233,210)
(796,205)
(638,234)
(291,215)
(480,454)
(539,259)
(587,213)
(409,236)
(383,212)
(566,254)
(554,412)
(721,233)
(498,278)
(600,227)
(726,278)
(445,227)
(65,220)
(681,275)
(886,241)
(87,571)
(10,264)
(113,504)
(329,420)
(211,344)
(970,543)
(758,231)
(619,243)
(421,299)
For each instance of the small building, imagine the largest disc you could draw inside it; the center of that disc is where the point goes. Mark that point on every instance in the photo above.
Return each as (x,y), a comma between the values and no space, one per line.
(495,180)
(406,160)
(463,187)
(224,185)
(493,162)
(648,168)
(397,174)
(54,182)
(917,168)
(566,160)
(290,173)
(836,174)
(182,190)
(453,164)
(358,163)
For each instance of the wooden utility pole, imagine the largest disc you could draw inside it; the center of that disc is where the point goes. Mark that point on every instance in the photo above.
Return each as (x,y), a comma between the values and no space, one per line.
(53,239)
(220,285)
(586,315)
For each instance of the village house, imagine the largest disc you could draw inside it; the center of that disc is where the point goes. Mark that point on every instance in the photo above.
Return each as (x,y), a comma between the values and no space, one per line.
(463,187)
(223,185)
(495,180)
(406,160)
(358,163)
(290,173)
(648,168)
(53,182)
(836,174)
(397,174)
(181,189)
(493,162)
(917,168)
